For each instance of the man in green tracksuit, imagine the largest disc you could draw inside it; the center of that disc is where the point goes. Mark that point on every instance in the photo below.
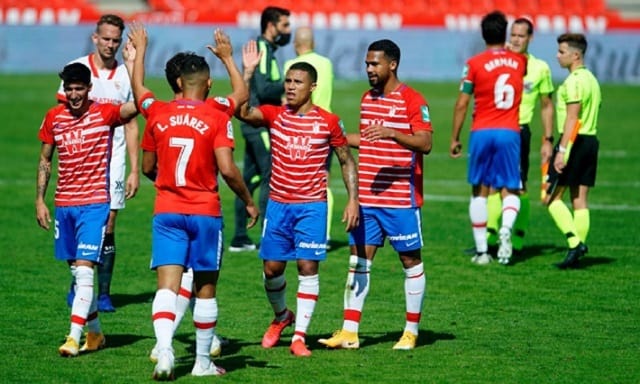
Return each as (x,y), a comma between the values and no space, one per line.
(266,87)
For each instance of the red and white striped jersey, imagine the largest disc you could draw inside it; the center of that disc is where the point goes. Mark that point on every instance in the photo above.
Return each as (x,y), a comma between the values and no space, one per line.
(390,175)
(84,151)
(299,148)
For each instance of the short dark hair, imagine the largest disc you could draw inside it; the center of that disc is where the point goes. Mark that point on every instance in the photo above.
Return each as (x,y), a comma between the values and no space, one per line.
(575,41)
(494,28)
(527,22)
(75,73)
(193,63)
(112,20)
(172,70)
(390,49)
(306,67)
(271,15)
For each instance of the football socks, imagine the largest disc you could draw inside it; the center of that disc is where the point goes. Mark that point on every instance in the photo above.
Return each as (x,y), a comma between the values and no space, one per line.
(564,221)
(478,216)
(414,288)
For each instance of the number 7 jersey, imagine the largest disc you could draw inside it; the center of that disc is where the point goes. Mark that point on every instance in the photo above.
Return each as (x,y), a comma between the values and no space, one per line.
(184,134)
(495,79)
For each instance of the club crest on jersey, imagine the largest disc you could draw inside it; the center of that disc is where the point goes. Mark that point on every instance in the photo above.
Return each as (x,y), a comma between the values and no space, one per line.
(298,147)
(73,141)
(316,127)
(117,84)
(392,111)
(528,86)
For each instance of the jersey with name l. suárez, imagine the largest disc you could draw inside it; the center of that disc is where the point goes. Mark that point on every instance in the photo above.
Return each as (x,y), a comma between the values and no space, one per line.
(84,151)
(299,148)
(184,134)
(390,175)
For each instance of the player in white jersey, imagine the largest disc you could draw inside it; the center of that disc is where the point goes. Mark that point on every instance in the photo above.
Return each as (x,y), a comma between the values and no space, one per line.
(111,85)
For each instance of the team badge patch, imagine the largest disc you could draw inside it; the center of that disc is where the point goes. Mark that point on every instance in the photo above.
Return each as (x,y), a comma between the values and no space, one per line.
(425,114)
(147,102)
(229,130)
(222,100)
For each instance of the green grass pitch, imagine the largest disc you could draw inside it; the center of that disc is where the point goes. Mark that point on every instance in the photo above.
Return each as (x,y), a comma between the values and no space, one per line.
(526,323)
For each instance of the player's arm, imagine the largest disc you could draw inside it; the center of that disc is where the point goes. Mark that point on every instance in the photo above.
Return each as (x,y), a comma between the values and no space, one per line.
(459,114)
(420,141)
(42,182)
(138,39)
(572,121)
(245,112)
(546,112)
(150,165)
(353,139)
(232,176)
(351,215)
(224,52)
(132,138)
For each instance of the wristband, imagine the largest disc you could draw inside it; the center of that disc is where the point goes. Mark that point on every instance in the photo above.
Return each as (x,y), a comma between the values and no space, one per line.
(549,139)
(562,149)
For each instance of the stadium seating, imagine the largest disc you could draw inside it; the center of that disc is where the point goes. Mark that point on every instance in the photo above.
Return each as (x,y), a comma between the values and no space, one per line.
(413,12)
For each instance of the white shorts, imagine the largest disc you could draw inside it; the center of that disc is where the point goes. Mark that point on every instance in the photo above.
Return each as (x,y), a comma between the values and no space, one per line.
(118,169)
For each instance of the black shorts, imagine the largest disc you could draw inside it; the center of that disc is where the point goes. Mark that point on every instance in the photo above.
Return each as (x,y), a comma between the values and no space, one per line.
(525,148)
(582,165)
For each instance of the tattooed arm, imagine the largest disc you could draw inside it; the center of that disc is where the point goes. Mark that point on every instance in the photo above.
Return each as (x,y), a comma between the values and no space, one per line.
(42,181)
(351,215)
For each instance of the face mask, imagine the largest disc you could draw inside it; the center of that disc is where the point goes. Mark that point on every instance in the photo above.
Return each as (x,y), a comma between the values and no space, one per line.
(282,39)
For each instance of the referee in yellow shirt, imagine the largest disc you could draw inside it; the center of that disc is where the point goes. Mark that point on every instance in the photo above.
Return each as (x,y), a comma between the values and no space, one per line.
(575,161)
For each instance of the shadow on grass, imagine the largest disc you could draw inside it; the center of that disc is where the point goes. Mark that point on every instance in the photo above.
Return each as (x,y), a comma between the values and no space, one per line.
(230,359)
(535,250)
(424,338)
(586,261)
(122,340)
(122,299)
(368,339)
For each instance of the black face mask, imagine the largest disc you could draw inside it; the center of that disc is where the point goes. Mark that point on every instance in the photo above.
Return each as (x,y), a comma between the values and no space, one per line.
(282,39)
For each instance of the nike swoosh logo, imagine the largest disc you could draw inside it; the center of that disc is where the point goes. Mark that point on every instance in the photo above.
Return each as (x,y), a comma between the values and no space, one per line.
(411,243)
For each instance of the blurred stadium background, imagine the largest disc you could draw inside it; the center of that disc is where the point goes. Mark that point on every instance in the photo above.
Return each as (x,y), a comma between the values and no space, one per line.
(435,36)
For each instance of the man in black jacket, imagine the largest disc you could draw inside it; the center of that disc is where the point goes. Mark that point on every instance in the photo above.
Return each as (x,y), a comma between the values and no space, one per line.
(266,87)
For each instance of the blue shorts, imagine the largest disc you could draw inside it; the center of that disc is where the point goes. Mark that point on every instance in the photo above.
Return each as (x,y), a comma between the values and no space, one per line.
(193,241)
(494,158)
(79,232)
(402,226)
(294,231)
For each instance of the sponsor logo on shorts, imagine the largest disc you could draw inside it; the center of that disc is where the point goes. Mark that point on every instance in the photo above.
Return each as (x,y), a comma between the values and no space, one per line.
(312,245)
(89,247)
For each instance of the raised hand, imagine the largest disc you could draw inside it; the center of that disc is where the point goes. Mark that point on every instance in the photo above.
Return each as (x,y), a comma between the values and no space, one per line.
(138,35)
(223,48)
(251,56)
